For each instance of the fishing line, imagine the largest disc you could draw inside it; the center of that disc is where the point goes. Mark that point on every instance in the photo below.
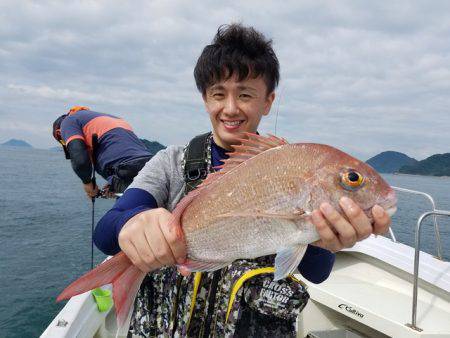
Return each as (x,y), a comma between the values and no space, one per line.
(278,109)
(92,229)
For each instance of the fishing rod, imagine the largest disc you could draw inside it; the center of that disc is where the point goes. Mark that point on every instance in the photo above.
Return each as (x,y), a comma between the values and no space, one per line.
(100,194)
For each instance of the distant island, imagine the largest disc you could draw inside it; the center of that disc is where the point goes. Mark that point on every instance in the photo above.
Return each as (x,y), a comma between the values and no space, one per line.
(390,161)
(436,165)
(395,162)
(16,143)
(153,146)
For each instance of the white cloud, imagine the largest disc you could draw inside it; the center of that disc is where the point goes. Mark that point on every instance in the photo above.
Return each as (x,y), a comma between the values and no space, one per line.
(362,76)
(46,92)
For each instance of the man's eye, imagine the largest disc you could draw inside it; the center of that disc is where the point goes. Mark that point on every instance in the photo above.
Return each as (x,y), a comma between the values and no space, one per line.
(217,95)
(245,96)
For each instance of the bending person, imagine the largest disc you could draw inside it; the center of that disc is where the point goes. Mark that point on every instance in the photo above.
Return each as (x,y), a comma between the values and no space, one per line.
(117,152)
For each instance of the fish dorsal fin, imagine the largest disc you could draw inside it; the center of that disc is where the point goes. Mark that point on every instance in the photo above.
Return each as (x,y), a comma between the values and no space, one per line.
(253,145)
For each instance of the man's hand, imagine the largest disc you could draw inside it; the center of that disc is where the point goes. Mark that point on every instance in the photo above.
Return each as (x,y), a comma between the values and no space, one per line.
(150,241)
(106,192)
(337,233)
(90,190)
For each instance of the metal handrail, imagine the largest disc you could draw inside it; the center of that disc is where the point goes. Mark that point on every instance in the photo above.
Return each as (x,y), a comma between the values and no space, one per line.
(436,226)
(413,324)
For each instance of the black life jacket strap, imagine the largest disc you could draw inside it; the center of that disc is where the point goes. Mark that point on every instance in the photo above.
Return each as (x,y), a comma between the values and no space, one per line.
(195,170)
(196,161)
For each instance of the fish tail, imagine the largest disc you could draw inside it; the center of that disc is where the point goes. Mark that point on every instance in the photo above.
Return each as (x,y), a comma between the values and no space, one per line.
(105,273)
(125,278)
(125,289)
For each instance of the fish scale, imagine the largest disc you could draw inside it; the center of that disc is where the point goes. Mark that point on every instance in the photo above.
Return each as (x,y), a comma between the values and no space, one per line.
(263,237)
(213,239)
(224,223)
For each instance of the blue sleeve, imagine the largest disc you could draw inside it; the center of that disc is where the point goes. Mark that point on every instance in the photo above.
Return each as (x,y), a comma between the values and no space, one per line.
(133,202)
(316,265)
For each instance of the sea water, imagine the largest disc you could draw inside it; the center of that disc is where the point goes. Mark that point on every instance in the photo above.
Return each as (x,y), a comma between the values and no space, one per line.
(45,232)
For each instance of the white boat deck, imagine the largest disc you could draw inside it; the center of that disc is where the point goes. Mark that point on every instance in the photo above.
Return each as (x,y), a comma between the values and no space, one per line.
(372,284)
(401,256)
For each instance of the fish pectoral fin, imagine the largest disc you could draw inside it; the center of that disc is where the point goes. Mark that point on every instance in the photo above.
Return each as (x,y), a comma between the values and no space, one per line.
(287,260)
(294,216)
(194,266)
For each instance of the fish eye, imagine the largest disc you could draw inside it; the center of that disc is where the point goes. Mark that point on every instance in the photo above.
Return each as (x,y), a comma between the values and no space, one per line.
(352,180)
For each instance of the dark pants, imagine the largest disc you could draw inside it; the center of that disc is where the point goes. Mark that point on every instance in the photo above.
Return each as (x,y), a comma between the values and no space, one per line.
(122,174)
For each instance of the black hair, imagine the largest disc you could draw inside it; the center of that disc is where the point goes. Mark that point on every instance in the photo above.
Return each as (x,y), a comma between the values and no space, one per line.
(57,125)
(237,50)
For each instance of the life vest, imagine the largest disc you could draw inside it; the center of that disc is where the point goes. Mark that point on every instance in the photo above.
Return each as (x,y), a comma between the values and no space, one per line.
(240,300)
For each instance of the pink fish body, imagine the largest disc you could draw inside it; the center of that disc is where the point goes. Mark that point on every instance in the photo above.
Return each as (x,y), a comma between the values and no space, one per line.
(258,204)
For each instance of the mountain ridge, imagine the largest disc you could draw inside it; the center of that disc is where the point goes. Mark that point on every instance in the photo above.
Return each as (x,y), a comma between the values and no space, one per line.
(435,165)
(390,161)
(396,162)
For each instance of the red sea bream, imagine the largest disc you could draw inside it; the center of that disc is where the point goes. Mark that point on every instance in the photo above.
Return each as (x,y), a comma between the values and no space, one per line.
(258,204)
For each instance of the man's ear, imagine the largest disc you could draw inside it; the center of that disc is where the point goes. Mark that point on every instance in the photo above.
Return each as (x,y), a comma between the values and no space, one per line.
(269,100)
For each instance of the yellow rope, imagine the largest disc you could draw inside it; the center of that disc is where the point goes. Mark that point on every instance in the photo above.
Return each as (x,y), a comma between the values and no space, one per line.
(246,276)
(197,279)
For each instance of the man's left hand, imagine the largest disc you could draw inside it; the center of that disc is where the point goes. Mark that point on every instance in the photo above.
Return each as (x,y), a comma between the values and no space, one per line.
(336,232)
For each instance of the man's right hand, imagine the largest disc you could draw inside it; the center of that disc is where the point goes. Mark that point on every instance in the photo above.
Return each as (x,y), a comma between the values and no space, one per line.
(150,241)
(90,189)
(106,192)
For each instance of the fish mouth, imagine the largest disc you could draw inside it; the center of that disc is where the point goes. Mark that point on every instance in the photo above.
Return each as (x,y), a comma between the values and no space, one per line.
(389,203)
(389,206)
(391,210)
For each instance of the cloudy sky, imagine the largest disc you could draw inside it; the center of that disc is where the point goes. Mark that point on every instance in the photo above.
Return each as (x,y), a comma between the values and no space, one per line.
(362,76)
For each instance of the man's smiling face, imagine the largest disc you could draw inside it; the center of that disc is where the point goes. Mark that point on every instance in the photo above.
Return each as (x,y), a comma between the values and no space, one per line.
(236,107)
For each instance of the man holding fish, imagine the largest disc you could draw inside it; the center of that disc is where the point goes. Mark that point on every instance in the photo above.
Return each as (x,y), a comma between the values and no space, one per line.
(269,197)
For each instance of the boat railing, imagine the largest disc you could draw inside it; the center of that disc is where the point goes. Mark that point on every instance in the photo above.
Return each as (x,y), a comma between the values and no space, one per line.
(433,213)
(436,225)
